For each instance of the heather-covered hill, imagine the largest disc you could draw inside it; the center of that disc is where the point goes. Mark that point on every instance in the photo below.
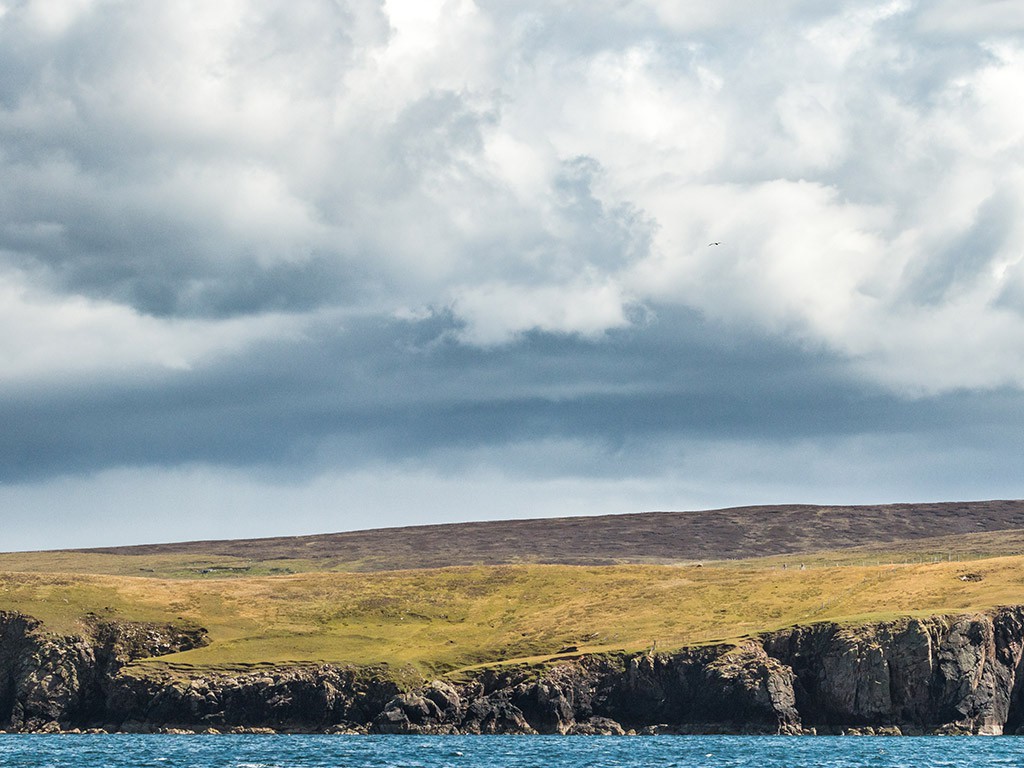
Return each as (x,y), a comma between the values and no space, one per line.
(651,537)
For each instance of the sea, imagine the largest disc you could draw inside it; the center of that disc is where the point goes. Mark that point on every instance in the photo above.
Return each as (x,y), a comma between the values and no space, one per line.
(131,751)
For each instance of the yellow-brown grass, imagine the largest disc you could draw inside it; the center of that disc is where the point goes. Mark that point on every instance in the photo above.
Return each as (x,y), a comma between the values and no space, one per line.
(446,619)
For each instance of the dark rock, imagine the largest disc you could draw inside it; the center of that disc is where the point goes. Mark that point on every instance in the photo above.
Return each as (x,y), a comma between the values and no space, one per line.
(660,729)
(122,642)
(297,698)
(544,706)
(648,689)
(446,698)
(494,714)
(408,713)
(346,729)
(596,726)
(749,688)
(959,674)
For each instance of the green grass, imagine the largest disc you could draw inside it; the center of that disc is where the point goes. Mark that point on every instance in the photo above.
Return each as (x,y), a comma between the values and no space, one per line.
(173,566)
(444,620)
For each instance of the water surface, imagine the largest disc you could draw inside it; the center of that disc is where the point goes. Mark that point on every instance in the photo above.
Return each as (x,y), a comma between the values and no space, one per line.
(120,751)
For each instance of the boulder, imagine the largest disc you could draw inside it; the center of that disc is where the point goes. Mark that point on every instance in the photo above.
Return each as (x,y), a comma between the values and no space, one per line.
(494,714)
(596,726)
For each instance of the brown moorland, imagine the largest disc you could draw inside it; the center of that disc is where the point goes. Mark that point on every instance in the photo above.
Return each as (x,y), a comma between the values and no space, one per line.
(650,537)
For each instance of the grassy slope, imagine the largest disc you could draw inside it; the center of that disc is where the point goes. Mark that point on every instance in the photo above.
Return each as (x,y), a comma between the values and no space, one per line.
(311,598)
(445,619)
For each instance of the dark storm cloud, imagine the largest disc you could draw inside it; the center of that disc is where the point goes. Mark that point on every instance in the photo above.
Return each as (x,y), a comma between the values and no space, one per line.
(403,391)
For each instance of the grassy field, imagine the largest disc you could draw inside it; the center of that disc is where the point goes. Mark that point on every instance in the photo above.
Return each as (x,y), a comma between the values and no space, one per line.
(443,599)
(449,619)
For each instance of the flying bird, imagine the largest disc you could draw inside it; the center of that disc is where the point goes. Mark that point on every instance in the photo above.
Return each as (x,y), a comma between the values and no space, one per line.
(710,244)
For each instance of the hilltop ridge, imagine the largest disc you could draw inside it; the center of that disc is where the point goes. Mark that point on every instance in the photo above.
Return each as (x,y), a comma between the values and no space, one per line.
(648,537)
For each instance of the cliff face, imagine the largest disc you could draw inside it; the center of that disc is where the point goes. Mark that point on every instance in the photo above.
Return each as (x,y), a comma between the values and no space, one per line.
(941,674)
(48,681)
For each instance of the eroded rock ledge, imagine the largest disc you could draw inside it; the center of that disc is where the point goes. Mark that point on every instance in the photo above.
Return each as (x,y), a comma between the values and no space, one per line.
(955,674)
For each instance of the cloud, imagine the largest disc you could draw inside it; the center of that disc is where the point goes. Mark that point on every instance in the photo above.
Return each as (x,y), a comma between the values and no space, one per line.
(989,18)
(203,162)
(52,338)
(411,393)
(236,236)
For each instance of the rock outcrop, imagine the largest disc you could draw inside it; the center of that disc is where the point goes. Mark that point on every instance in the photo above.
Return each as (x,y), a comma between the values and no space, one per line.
(959,674)
(50,679)
(304,698)
(955,674)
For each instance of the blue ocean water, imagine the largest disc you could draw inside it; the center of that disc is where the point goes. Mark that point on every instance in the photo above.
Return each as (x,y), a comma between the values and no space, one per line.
(117,751)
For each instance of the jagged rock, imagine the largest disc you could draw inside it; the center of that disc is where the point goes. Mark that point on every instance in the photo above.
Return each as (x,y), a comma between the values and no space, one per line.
(921,673)
(43,678)
(346,729)
(660,729)
(855,678)
(408,713)
(47,678)
(747,687)
(122,642)
(303,698)
(596,726)
(641,691)
(544,706)
(446,698)
(495,714)
(43,727)
(796,730)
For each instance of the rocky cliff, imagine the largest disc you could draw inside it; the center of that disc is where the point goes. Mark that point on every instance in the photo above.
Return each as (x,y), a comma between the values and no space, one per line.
(48,681)
(959,674)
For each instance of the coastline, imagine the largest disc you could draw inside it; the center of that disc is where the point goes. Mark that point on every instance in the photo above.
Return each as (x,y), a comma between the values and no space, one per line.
(910,676)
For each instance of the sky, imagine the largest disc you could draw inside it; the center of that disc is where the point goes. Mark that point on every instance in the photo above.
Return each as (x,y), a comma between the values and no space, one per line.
(272,269)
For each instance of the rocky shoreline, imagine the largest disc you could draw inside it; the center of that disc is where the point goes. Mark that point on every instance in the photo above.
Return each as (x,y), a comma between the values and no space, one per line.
(944,674)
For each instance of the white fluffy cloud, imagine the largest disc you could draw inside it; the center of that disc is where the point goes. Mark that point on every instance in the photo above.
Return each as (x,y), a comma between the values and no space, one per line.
(540,166)
(62,338)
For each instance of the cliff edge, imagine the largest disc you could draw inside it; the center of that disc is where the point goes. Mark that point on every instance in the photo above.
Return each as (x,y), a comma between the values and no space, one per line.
(941,674)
